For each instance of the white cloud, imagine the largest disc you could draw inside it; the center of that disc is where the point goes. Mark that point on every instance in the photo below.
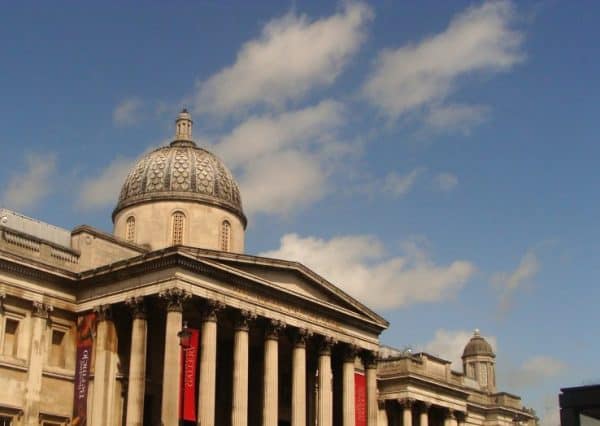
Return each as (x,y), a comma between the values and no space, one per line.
(507,283)
(292,56)
(398,185)
(26,189)
(359,265)
(102,190)
(415,76)
(284,160)
(446,182)
(535,371)
(449,344)
(127,112)
(455,117)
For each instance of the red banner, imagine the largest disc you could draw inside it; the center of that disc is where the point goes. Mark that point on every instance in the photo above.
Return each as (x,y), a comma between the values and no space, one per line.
(189,357)
(360,399)
(85,330)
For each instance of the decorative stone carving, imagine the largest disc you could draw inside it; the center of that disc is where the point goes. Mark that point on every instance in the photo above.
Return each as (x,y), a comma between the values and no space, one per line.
(137,306)
(174,298)
(41,310)
(103,312)
(350,352)
(210,310)
(326,344)
(425,406)
(2,300)
(243,319)
(406,403)
(300,336)
(370,359)
(273,329)
(450,414)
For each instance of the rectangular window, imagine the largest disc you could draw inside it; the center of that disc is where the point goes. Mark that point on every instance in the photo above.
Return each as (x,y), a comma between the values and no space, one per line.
(11,337)
(56,356)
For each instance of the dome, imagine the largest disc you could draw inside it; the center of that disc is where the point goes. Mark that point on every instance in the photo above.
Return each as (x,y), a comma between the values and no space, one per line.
(181,171)
(478,346)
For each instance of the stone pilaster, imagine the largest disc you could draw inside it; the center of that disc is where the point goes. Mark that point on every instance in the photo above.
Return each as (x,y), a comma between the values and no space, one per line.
(174,299)
(299,377)
(105,368)
(208,363)
(39,320)
(348,409)
(239,404)
(370,362)
(137,362)
(325,401)
(424,414)
(270,378)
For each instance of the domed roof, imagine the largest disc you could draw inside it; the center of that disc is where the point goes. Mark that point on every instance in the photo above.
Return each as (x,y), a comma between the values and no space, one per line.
(181,171)
(478,346)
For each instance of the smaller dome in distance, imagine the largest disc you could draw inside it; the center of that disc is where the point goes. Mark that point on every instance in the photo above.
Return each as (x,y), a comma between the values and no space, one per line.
(478,346)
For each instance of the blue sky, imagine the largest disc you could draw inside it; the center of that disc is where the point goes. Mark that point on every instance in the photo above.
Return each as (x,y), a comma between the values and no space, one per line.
(438,160)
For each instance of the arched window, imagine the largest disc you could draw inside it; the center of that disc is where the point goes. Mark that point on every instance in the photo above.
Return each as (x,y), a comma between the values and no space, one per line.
(225,235)
(130,231)
(178,226)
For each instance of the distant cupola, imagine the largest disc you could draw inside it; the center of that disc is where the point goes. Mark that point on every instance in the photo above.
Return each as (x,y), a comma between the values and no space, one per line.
(479,362)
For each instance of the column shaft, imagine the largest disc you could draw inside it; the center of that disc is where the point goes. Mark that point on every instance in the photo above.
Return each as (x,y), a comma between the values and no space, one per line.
(299,379)
(270,383)
(382,419)
(325,402)
(407,415)
(208,372)
(239,402)
(348,392)
(137,364)
(105,370)
(424,416)
(371,377)
(171,370)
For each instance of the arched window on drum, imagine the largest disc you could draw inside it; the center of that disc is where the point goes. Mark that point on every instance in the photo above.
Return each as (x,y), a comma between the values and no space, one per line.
(225,236)
(178,228)
(130,229)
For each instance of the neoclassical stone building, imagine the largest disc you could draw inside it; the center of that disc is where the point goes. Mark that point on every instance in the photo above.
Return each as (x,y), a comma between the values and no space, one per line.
(99,328)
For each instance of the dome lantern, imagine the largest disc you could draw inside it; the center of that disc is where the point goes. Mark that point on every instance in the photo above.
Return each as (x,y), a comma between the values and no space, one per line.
(479,362)
(183,128)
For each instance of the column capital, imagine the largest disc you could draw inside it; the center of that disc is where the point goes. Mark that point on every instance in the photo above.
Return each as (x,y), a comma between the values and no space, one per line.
(350,352)
(103,312)
(369,359)
(425,406)
(406,403)
(243,320)
(300,336)
(41,310)
(210,308)
(450,414)
(273,329)
(137,306)
(326,344)
(174,298)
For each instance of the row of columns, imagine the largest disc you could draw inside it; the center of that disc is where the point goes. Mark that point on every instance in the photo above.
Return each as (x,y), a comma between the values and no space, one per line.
(451,418)
(174,299)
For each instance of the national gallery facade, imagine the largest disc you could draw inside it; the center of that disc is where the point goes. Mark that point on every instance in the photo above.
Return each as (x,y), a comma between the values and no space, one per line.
(166,322)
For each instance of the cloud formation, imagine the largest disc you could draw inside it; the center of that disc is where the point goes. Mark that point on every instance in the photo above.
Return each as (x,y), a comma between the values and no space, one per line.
(455,117)
(27,188)
(283,161)
(507,283)
(449,344)
(127,112)
(535,371)
(398,185)
(267,73)
(418,77)
(446,182)
(103,189)
(359,265)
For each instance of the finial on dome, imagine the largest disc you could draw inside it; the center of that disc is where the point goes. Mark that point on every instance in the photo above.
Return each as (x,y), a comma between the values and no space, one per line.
(183,126)
(476,332)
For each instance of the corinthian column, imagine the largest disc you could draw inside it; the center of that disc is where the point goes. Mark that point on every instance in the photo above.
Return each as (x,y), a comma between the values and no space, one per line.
(325,403)
(348,409)
(370,361)
(174,299)
(137,362)
(271,371)
(407,412)
(299,377)
(39,319)
(208,364)
(105,368)
(239,402)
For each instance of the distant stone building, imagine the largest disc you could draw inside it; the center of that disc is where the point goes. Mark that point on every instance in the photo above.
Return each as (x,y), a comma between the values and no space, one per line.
(100,329)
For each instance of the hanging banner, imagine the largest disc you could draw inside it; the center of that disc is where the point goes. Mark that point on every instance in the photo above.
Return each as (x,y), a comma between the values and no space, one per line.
(189,360)
(360,399)
(86,325)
